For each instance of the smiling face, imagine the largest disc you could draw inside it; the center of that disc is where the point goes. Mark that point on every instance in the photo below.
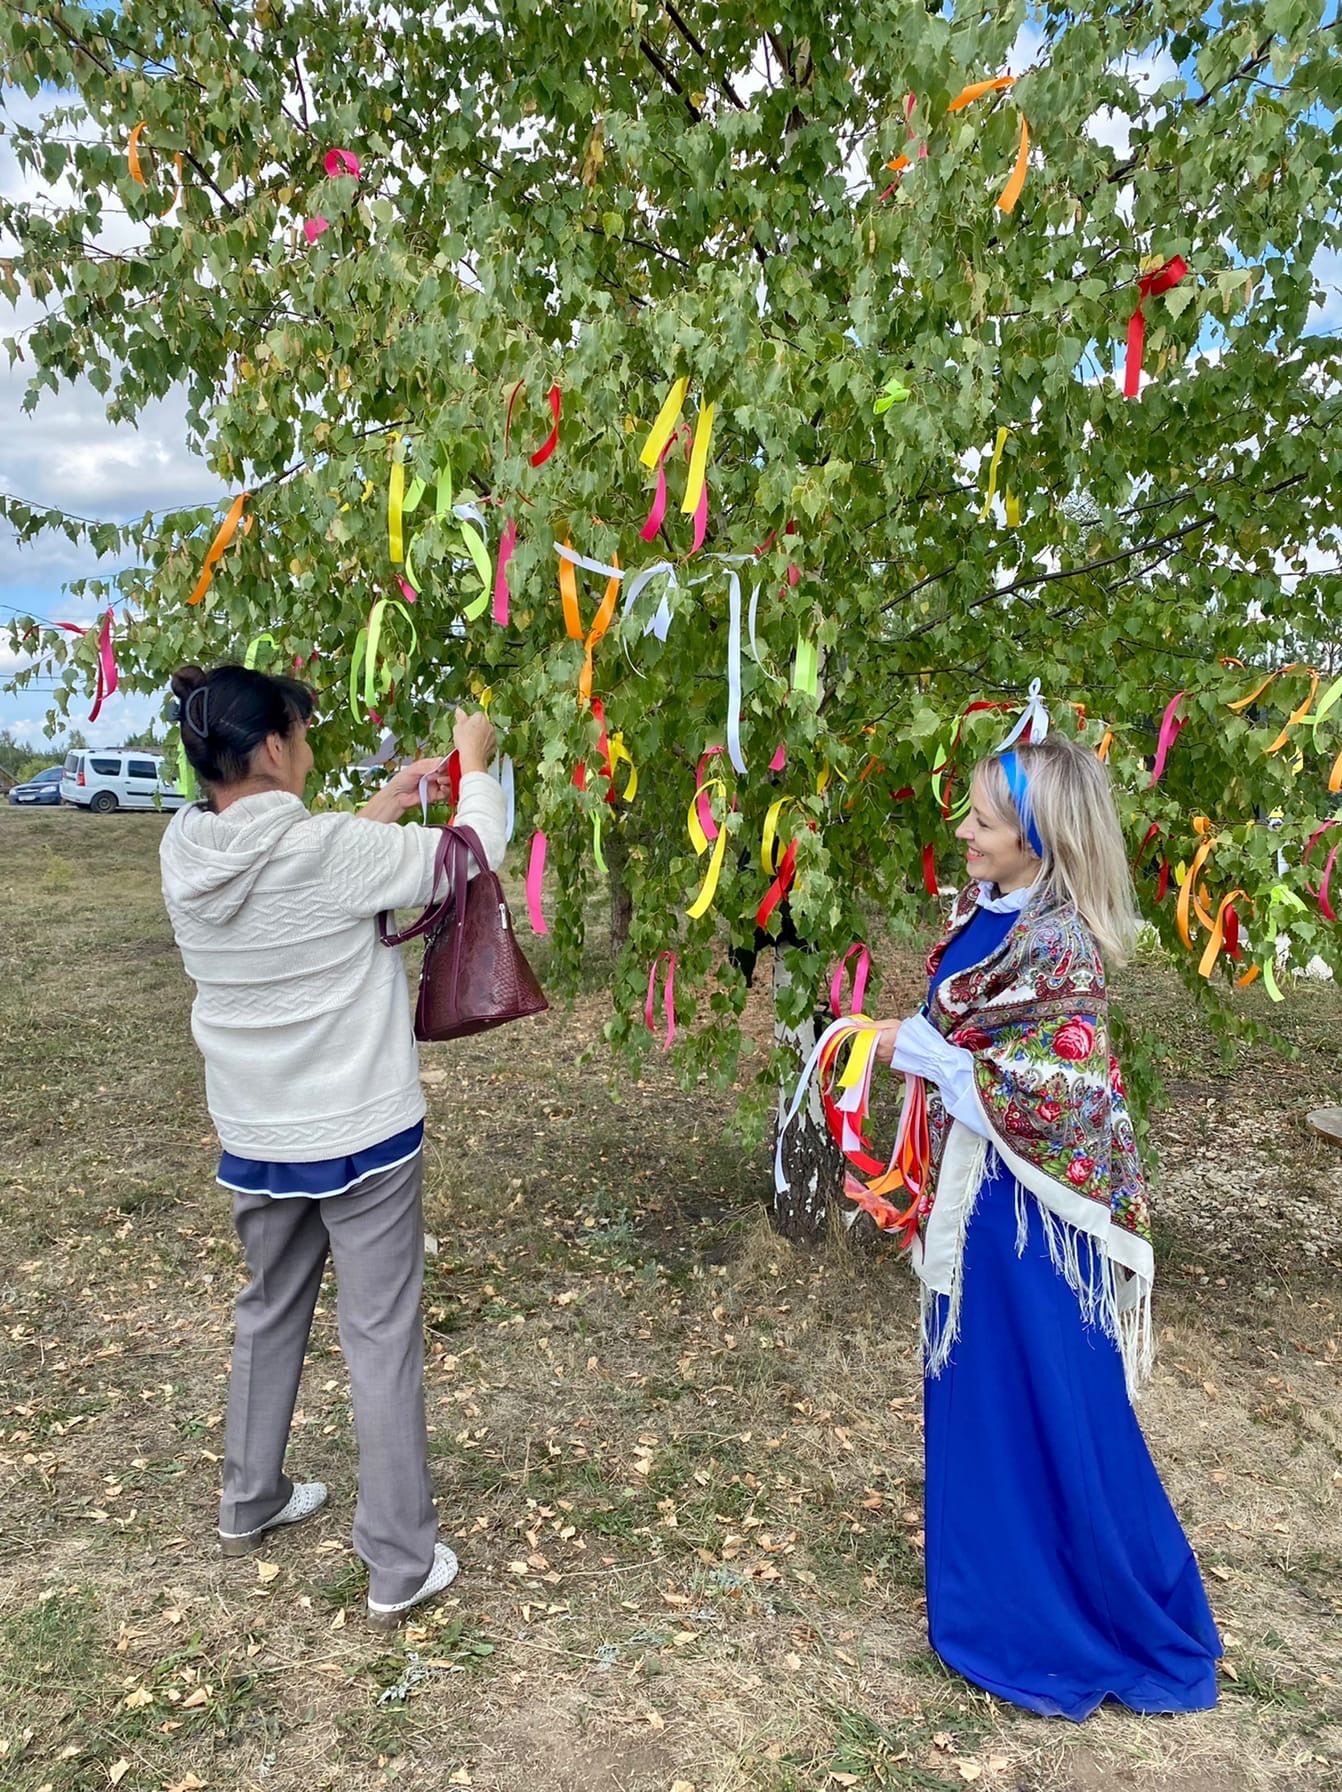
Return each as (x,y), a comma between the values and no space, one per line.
(994,850)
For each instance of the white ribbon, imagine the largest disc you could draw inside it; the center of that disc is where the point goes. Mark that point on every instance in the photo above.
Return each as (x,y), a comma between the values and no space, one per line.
(507,778)
(596,566)
(1034,717)
(659,624)
(834,1027)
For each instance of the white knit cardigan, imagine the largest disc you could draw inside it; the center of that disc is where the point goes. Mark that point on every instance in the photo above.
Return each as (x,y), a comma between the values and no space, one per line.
(301,1013)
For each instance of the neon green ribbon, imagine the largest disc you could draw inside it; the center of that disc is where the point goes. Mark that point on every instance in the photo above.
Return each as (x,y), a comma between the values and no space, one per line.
(254,646)
(805,675)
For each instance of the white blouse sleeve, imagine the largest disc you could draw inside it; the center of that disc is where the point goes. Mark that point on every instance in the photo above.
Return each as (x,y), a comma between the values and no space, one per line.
(921,1051)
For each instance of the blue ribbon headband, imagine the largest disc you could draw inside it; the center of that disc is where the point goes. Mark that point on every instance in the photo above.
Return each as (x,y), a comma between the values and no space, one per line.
(1019,786)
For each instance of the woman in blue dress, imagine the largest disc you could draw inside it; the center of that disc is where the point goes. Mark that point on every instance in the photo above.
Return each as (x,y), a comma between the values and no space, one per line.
(1057,1573)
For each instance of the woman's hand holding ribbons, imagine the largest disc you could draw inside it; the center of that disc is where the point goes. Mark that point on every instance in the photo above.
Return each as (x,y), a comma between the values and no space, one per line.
(887,1031)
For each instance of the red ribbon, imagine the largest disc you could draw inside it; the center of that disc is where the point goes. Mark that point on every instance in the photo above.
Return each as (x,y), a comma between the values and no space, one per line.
(1150,286)
(930,871)
(554,399)
(780,886)
(1324,901)
(668,997)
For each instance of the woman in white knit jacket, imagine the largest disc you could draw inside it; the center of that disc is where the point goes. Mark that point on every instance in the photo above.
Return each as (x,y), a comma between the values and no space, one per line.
(312,1081)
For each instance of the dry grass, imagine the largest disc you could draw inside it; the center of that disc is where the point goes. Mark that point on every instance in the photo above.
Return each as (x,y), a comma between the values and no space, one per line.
(681,1459)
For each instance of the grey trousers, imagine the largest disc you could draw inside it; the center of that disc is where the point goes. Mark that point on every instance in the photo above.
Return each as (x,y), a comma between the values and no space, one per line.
(375,1235)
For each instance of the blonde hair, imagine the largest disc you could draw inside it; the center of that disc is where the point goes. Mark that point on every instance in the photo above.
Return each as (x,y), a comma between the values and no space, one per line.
(1084,863)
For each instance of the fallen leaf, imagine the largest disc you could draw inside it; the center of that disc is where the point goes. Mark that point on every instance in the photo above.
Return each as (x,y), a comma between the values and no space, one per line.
(969,1770)
(338,1622)
(845,1779)
(118,1771)
(267,1572)
(194,1700)
(189,1784)
(460,1778)
(682,1786)
(1220,1570)
(137,1700)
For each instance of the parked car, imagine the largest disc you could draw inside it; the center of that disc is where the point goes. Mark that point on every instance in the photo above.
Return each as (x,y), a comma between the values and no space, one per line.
(126,779)
(45,788)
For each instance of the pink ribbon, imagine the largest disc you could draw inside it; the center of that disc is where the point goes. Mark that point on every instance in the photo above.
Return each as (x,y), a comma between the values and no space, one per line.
(107,672)
(668,997)
(535,873)
(657,514)
(341,161)
(502,591)
(407,590)
(779,760)
(1171,726)
(700,519)
(703,802)
(315,227)
(859,976)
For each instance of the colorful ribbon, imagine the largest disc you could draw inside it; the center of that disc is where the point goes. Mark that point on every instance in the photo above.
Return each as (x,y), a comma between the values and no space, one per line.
(554,398)
(1172,725)
(667,418)
(667,959)
(502,590)
(1148,287)
(1297,715)
(254,647)
(781,870)
(858,973)
(107,678)
(315,226)
(341,161)
(699,840)
(1011,192)
(219,546)
(535,880)
(657,510)
(568,593)
(805,671)
(1002,433)
(734,752)
(370,677)
(846,1117)
(695,486)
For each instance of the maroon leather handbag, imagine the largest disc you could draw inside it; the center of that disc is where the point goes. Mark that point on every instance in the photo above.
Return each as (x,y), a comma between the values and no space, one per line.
(474,975)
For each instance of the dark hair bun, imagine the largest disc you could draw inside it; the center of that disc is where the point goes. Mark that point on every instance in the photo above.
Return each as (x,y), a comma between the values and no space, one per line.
(185,680)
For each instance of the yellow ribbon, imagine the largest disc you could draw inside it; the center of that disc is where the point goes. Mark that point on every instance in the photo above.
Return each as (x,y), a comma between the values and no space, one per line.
(1012,509)
(617,752)
(769,838)
(667,418)
(704,900)
(694,485)
(996,461)
(859,1057)
(395,512)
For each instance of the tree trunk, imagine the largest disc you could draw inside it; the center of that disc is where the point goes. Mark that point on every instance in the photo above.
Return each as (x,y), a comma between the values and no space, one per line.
(812,1162)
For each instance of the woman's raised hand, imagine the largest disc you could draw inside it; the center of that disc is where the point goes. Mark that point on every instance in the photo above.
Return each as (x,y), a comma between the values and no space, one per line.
(475,740)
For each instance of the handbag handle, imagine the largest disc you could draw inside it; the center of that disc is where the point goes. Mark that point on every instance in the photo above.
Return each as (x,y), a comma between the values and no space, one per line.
(461,844)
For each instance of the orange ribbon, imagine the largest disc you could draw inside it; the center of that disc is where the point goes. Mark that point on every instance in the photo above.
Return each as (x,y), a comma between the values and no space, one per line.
(1011,192)
(137,171)
(218,547)
(1188,893)
(568,593)
(1296,715)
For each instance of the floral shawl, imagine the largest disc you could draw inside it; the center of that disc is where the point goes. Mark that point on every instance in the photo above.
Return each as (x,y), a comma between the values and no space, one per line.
(1034,1016)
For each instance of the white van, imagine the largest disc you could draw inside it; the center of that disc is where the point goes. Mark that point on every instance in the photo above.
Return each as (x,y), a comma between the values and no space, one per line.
(121,779)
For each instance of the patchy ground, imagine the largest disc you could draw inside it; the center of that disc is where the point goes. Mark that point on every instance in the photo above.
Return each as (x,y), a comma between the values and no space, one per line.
(680,1459)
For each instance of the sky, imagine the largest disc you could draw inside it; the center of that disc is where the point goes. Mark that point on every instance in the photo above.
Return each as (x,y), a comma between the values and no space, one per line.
(66,454)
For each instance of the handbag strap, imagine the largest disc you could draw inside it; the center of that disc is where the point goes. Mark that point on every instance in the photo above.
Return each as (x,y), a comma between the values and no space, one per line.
(434,913)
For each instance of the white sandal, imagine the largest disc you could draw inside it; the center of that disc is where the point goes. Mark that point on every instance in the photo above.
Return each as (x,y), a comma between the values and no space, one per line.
(439,1578)
(306,1500)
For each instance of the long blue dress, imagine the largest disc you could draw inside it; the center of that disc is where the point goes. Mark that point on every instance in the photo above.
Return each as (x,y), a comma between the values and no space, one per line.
(1057,1573)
